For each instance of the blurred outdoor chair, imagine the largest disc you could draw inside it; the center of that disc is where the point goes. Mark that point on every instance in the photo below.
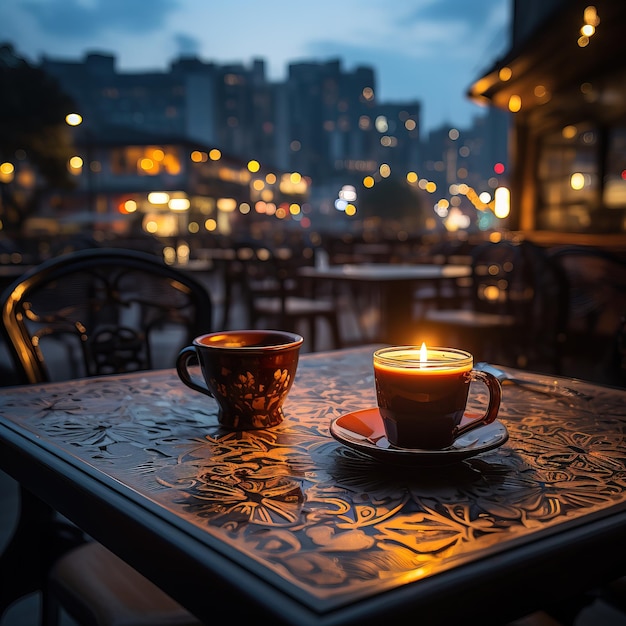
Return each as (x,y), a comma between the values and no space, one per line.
(451,293)
(496,322)
(277,297)
(96,312)
(592,329)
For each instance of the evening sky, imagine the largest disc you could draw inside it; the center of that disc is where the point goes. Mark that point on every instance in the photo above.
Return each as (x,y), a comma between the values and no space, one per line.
(424,50)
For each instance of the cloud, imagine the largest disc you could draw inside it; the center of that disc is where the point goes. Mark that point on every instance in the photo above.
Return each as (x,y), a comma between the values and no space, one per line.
(472,15)
(79,18)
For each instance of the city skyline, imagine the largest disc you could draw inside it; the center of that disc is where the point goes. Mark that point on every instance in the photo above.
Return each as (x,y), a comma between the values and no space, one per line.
(425,50)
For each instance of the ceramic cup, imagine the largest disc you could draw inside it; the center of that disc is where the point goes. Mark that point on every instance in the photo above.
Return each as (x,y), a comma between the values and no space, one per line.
(248,372)
(422,395)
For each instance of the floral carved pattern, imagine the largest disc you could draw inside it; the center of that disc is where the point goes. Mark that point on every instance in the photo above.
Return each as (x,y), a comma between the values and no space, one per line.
(332,521)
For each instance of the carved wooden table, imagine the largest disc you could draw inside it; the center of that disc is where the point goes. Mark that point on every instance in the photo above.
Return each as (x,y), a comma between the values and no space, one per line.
(287,524)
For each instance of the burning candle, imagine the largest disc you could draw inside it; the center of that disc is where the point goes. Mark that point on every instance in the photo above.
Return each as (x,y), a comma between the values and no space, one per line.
(422,393)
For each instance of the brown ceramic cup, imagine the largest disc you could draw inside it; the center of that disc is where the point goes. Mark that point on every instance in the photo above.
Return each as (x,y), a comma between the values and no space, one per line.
(422,395)
(248,372)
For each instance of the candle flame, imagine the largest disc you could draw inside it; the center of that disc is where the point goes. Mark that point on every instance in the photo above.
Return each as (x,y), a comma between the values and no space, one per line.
(423,353)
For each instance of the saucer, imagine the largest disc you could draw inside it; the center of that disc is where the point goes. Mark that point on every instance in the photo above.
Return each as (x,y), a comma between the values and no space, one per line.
(363,430)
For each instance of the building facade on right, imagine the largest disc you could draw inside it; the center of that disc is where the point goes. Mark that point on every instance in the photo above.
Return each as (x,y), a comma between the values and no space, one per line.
(564,80)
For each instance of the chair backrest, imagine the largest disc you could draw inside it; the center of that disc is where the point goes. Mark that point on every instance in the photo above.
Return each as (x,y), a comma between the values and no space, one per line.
(101,311)
(266,275)
(547,312)
(502,279)
(595,281)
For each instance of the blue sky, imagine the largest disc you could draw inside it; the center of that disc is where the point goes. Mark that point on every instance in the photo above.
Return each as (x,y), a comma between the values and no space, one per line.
(426,50)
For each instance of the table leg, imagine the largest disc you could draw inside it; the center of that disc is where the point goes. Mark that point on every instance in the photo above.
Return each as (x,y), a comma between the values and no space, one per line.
(397,313)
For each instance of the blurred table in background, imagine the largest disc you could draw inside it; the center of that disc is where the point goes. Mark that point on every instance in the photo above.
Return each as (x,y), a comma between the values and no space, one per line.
(394,284)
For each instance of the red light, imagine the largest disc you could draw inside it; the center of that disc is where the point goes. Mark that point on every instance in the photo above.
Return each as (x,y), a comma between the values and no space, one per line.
(498,168)
(623,174)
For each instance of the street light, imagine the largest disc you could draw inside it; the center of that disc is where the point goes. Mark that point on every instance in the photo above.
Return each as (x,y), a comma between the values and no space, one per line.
(74,120)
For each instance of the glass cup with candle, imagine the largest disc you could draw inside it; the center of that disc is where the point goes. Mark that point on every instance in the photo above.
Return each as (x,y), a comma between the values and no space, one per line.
(422,395)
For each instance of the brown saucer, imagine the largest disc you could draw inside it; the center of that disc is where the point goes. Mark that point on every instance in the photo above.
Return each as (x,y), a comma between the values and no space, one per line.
(363,430)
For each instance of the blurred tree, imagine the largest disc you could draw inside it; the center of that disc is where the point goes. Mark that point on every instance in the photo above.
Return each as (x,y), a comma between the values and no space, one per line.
(34,138)
(393,200)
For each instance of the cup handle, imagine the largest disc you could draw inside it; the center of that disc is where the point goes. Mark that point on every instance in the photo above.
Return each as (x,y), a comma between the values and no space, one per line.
(495,396)
(187,354)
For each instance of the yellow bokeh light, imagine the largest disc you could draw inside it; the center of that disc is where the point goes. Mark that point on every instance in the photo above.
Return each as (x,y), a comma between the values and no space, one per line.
(295,178)
(6,172)
(577,181)
(146,164)
(158,197)
(590,16)
(215,155)
(73,119)
(179,204)
(515,103)
(76,163)
(505,74)
(294,209)
(502,202)
(411,177)
(254,166)
(587,30)
(368,182)
(227,205)
(350,209)
(210,225)
(569,132)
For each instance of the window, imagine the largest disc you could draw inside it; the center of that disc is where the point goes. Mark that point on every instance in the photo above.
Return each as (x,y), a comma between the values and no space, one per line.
(581,174)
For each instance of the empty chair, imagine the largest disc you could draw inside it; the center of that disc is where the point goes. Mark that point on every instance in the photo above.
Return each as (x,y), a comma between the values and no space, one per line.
(447,293)
(495,324)
(97,312)
(592,329)
(101,311)
(277,297)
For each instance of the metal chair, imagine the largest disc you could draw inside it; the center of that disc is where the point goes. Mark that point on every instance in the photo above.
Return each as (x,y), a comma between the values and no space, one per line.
(87,313)
(593,326)
(496,322)
(275,296)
